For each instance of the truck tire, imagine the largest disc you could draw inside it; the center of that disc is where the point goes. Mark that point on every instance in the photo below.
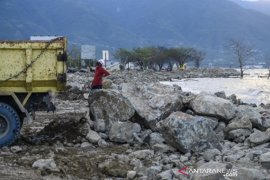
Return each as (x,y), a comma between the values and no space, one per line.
(10,125)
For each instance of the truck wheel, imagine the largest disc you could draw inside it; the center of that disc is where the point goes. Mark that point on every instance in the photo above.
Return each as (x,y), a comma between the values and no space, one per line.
(10,125)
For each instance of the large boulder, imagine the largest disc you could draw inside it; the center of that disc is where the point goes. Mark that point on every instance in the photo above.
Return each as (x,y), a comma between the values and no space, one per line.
(259,137)
(189,133)
(152,102)
(259,117)
(209,105)
(239,123)
(109,106)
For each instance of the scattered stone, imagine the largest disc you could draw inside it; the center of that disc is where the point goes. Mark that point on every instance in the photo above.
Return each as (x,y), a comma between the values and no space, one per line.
(168,174)
(131,174)
(86,145)
(93,136)
(152,171)
(45,164)
(114,168)
(123,132)
(99,125)
(210,154)
(233,99)
(163,148)
(16,149)
(265,160)
(102,143)
(221,94)
(154,138)
(142,154)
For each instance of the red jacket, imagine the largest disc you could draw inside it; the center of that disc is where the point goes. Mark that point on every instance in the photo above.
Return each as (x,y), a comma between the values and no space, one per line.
(99,73)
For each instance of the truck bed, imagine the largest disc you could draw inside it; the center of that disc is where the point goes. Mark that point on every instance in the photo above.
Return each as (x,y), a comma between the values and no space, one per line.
(33,66)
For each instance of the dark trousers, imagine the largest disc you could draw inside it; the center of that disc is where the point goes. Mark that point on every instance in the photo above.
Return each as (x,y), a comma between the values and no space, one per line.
(97,87)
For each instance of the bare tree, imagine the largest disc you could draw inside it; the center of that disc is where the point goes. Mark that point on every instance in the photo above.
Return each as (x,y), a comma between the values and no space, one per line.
(198,57)
(242,53)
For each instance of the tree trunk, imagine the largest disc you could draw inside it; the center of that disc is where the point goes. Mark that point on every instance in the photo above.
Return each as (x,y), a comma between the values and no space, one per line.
(241,73)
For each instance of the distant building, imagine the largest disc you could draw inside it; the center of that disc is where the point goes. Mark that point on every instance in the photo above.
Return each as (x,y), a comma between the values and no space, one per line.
(88,54)
(43,38)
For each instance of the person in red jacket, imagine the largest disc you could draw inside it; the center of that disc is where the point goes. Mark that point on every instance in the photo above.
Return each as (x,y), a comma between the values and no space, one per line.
(100,72)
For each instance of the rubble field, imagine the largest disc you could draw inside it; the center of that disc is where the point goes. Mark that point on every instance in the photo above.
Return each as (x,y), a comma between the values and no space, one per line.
(138,128)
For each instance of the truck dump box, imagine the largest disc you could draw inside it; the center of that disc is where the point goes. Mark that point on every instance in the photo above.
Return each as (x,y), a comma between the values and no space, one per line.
(33,66)
(29,70)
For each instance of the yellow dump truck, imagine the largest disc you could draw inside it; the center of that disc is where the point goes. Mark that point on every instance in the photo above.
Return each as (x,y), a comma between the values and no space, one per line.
(29,71)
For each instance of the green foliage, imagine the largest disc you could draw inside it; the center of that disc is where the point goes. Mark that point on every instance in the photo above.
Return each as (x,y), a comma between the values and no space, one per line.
(150,57)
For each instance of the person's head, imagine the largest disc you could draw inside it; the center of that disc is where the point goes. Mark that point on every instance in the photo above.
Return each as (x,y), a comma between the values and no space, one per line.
(98,64)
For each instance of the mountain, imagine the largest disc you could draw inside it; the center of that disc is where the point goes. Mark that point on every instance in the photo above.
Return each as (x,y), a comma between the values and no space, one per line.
(262,6)
(203,24)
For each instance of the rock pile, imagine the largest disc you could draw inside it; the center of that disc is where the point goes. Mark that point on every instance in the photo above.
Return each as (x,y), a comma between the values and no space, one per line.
(204,130)
(137,128)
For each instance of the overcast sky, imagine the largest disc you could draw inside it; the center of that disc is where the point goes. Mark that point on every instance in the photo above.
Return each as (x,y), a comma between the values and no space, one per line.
(255,0)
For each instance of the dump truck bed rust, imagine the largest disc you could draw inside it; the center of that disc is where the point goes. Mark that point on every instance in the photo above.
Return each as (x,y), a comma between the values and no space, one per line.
(47,73)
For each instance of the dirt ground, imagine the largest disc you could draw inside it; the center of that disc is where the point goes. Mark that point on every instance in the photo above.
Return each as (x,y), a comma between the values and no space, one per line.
(45,139)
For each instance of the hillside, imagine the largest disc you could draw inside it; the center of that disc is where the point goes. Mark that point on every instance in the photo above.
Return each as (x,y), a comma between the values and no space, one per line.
(262,6)
(204,24)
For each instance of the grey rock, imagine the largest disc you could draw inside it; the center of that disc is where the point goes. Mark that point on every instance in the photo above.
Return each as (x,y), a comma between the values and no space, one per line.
(99,125)
(239,123)
(210,154)
(163,148)
(238,135)
(253,114)
(45,164)
(142,154)
(233,98)
(110,106)
(168,174)
(152,171)
(259,137)
(16,149)
(93,136)
(219,130)
(136,162)
(102,143)
(233,157)
(86,145)
(184,158)
(114,168)
(122,132)
(265,160)
(210,105)
(131,174)
(220,94)
(154,138)
(189,133)
(152,102)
